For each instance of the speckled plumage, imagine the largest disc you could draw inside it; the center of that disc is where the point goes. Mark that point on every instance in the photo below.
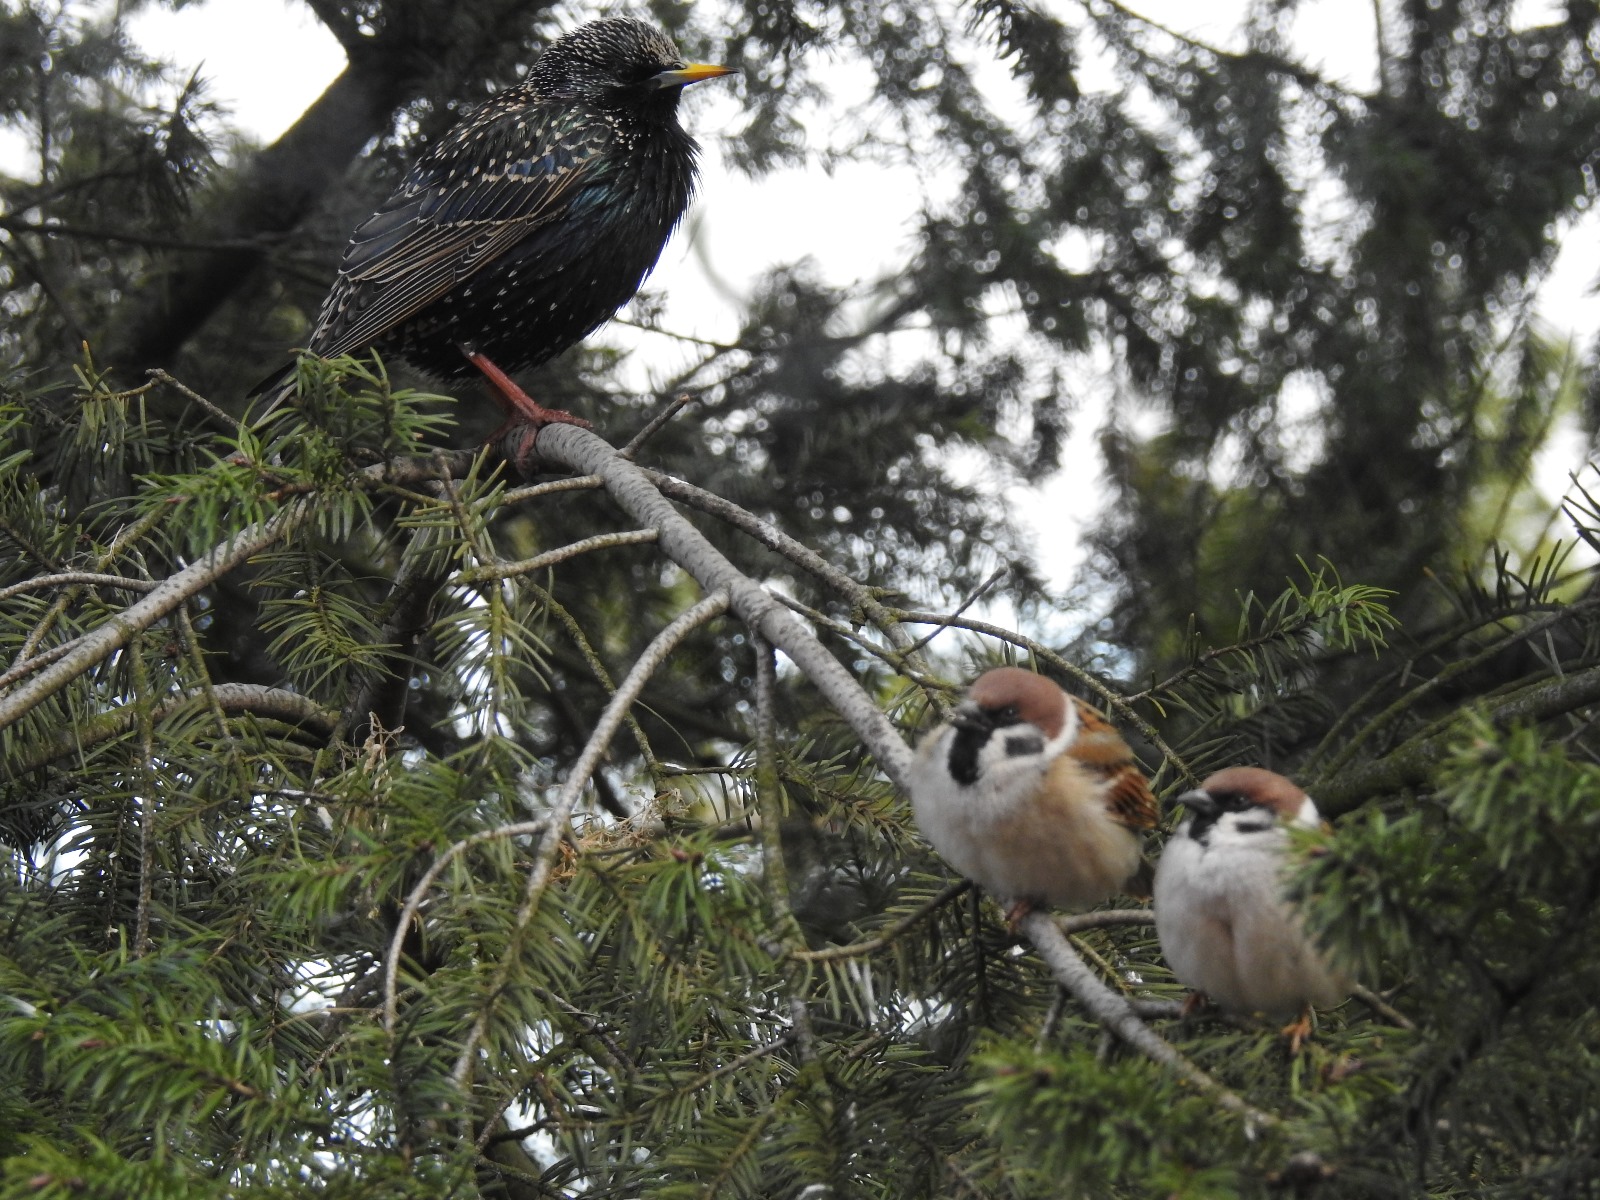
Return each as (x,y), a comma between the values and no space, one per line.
(533,220)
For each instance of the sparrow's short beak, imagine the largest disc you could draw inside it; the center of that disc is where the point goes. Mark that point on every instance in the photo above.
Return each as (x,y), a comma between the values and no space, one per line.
(1200,801)
(693,73)
(970,716)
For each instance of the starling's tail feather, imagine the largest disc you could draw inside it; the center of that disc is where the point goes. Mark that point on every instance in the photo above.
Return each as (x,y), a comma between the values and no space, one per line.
(274,389)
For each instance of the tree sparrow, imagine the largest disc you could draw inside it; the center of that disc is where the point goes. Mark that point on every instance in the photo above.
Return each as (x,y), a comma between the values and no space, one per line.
(1225,927)
(1031,794)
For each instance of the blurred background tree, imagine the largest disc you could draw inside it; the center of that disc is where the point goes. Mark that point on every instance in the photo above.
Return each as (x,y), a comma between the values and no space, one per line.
(1319,547)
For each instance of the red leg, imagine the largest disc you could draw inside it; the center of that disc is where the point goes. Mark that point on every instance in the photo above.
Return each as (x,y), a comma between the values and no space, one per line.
(1016,912)
(1299,1032)
(517,401)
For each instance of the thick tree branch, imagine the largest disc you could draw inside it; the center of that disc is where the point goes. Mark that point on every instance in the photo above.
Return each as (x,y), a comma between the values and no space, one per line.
(1413,764)
(632,490)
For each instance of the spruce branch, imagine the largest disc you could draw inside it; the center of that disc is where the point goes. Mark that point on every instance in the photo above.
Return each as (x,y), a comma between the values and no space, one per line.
(143,703)
(566,801)
(1412,764)
(873,944)
(82,653)
(38,662)
(634,492)
(384,686)
(419,894)
(526,566)
(786,1038)
(84,578)
(572,483)
(591,658)
(1382,1007)
(254,699)
(933,687)
(859,596)
(769,803)
(128,535)
(1106,918)
(228,420)
(1116,1014)
(1454,669)
(114,634)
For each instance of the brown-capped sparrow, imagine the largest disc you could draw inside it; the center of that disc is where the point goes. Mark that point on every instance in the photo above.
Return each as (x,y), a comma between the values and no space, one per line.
(1225,926)
(1032,795)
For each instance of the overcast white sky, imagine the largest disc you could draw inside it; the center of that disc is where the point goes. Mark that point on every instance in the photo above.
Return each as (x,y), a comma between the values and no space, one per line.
(267,60)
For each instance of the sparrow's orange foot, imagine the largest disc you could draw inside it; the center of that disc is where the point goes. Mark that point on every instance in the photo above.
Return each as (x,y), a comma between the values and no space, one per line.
(1192,1003)
(514,400)
(1298,1032)
(1016,912)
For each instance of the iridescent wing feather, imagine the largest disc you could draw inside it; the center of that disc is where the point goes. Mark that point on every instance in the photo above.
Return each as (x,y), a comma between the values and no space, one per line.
(451,217)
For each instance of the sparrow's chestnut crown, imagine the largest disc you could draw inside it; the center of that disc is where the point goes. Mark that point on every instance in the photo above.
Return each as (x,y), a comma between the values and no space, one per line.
(1007,695)
(1240,787)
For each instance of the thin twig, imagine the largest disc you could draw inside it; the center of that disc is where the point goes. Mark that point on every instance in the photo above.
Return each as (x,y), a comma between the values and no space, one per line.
(1382,1007)
(973,597)
(1052,1018)
(655,424)
(38,662)
(85,578)
(893,658)
(874,944)
(572,483)
(190,394)
(408,911)
(603,541)
(143,702)
(769,803)
(728,1068)
(1105,919)
(591,656)
(96,234)
(856,594)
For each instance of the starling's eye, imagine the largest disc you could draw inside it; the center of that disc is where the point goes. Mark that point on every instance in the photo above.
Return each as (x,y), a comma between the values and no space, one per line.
(644,72)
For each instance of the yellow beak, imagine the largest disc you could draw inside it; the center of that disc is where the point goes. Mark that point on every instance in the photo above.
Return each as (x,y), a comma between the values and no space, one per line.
(693,73)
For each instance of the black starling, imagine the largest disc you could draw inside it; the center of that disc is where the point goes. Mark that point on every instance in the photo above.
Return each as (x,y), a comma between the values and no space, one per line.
(530,223)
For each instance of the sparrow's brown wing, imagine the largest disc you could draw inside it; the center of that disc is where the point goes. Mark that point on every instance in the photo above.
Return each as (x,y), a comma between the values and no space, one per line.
(1100,748)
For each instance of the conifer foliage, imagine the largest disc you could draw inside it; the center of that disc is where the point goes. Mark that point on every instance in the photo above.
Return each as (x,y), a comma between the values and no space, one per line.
(379,823)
